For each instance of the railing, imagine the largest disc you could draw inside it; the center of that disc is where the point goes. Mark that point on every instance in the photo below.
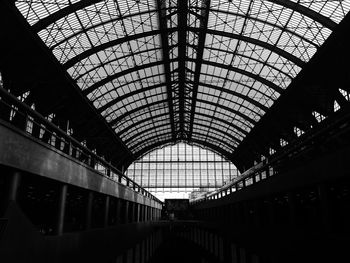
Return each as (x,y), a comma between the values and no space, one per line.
(20,115)
(329,128)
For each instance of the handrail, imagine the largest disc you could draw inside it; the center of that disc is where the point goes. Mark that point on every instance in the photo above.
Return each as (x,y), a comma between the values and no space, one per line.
(338,123)
(22,116)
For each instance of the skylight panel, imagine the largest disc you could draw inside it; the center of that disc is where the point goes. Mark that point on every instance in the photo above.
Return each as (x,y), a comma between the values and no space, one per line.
(335,10)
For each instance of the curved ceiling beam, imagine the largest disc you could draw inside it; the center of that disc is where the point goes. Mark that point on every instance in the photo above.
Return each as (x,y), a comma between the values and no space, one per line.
(214,64)
(268,46)
(155,136)
(127,129)
(92,27)
(243,72)
(325,21)
(122,73)
(267,23)
(254,41)
(141,124)
(115,121)
(167,124)
(149,139)
(42,23)
(114,60)
(208,145)
(251,58)
(158,129)
(130,94)
(234,93)
(126,114)
(106,45)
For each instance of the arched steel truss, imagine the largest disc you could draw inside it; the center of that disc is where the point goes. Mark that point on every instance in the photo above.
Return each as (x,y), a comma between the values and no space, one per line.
(202,71)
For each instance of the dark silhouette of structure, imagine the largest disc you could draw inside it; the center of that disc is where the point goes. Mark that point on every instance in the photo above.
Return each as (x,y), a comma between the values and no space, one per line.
(89,86)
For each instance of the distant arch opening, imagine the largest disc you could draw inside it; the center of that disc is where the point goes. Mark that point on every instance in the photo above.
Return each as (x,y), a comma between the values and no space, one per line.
(181,171)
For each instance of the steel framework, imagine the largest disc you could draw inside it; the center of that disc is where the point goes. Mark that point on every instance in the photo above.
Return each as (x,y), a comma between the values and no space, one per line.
(203,71)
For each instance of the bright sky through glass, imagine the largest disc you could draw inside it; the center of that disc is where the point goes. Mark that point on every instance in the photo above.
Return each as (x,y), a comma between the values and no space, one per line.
(181,168)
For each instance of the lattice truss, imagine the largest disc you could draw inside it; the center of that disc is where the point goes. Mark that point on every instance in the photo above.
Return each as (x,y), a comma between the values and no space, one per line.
(197,70)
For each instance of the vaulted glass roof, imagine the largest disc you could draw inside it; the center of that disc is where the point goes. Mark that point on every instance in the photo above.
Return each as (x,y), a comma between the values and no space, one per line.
(201,71)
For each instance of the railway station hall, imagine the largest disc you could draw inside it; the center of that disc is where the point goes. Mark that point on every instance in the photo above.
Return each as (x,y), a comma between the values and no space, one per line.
(174,131)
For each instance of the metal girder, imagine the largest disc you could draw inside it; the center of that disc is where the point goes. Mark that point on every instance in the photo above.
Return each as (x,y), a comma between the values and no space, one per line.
(182,25)
(198,113)
(166,61)
(254,41)
(114,60)
(325,21)
(246,73)
(228,67)
(230,110)
(121,73)
(167,124)
(87,29)
(112,43)
(204,143)
(264,81)
(250,58)
(215,64)
(41,24)
(267,23)
(199,58)
(138,123)
(234,93)
(113,122)
(158,128)
(127,95)
(216,139)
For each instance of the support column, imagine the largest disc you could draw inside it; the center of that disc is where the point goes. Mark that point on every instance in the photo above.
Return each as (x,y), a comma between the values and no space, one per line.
(138,213)
(119,211)
(146,213)
(61,209)
(132,207)
(89,210)
(106,215)
(14,185)
(126,215)
(143,213)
